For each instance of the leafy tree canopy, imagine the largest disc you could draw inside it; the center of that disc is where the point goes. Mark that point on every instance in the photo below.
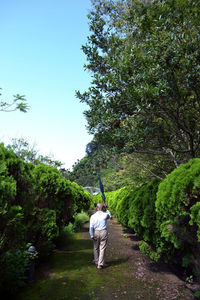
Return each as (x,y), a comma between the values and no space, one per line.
(144,60)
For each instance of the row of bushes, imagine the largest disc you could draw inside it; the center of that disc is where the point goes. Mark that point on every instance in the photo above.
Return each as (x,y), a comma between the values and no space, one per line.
(165,214)
(36,203)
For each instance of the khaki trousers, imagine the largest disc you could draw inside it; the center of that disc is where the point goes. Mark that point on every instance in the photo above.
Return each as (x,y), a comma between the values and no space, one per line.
(100,246)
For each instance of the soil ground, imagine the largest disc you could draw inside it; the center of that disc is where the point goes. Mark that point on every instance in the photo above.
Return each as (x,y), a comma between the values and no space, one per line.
(128,273)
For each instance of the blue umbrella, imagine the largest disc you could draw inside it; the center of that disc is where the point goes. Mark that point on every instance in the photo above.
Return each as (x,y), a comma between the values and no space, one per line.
(101,189)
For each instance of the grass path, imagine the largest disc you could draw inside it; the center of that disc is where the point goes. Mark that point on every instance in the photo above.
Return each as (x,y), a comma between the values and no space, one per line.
(129,274)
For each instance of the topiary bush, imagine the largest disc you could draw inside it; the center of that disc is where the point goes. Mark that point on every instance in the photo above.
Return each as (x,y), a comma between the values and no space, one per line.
(177,213)
(112,199)
(195,218)
(43,230)
(123,198)
(81,198)
(147,250)
(142,215)
(36,204)
(55,192)
(15,265)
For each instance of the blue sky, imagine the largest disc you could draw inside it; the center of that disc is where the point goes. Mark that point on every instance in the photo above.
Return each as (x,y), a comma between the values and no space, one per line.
(41,58)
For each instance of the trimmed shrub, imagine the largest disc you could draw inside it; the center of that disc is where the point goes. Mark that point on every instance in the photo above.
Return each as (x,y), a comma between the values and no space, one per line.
(15,265)
(43,230)
(53,191)
(36,203)
(81,198)
(147,250)
(124,198)
(195,218)
(142,215)
(110,200)
(177,211)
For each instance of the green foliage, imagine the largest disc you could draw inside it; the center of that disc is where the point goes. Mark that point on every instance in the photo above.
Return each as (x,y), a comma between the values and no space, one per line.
(81,198)
(44,230)
(186,260)
(195,218)
(144,62)
(29,153)
(18,103)
(13,227)
(79,220)
(142,215)
(68,231)
(124,198)
(65,236)
(197,294)
(15,265)
(190,279)
(147,250)
(86,171)
(53,191)
(36,203)
(177,210)
(165,214)
(118,170)
(111,199)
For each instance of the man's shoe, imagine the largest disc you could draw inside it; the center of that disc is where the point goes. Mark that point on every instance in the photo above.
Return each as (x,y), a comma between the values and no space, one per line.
(99,267)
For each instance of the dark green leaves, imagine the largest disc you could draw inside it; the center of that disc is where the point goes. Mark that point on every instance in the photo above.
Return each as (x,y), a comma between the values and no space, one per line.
(144,61)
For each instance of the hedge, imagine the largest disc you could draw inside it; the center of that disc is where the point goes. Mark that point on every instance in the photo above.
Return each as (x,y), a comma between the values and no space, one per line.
(36,203)
(166,215)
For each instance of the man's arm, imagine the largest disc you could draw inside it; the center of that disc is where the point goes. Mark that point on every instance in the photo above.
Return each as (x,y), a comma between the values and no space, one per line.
(109,214)
(91,229)
(107,211)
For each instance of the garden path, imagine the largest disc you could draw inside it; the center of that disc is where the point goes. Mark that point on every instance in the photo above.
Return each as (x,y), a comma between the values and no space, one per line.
(128,274)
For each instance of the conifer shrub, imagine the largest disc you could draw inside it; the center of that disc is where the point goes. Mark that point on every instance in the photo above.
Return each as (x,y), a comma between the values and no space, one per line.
(195,218)
(81,198)
(44,230)
(142,215)
(55,192)
(93,202)
(36,204)
(112,200)
(178,216)
(15,265)
(148,250)
(123,199)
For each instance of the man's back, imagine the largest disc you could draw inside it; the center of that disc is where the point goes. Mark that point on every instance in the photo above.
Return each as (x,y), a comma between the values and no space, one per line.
(99,234)
(99,220)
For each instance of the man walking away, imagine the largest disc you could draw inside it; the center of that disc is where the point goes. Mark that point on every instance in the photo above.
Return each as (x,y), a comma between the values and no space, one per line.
(99,234)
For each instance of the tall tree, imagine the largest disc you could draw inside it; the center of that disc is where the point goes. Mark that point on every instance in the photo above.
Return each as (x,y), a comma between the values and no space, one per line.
(29,153)
(144,60)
